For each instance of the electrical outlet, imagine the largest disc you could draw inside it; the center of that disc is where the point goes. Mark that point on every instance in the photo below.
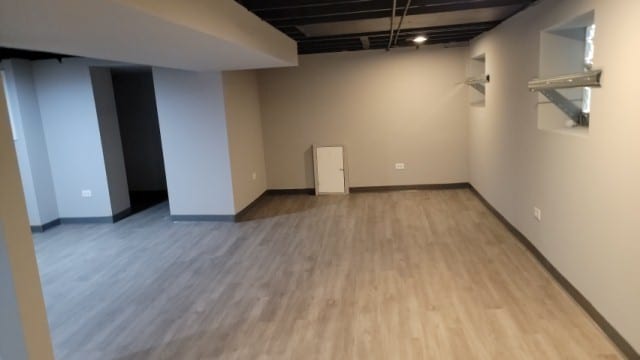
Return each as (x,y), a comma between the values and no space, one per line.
(254,176)
(537,213)
(86,193)
(399,166)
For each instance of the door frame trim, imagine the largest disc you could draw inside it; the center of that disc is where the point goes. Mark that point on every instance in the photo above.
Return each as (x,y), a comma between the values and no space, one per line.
(345,166)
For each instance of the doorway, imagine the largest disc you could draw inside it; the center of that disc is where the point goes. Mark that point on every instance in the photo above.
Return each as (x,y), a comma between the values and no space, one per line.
(140,134)
(330,170)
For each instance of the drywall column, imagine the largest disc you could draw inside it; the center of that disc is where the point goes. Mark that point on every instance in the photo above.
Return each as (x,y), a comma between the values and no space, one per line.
(72,132)
(30,144)
(194,144)
(24,331)
(244,127)
(111,143)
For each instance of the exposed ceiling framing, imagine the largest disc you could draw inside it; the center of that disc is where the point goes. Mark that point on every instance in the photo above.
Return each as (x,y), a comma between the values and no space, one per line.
(348,25)
(7,53)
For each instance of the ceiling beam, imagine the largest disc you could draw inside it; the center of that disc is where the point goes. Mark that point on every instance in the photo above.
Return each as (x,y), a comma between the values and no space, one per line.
(347,11)
(379,43)
(382,46)
(381,40)
(9,53)
(290,15)
(481,26)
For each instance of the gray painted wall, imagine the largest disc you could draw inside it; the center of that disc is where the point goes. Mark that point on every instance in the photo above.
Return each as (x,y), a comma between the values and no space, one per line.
(244,126)
(11,342)
(139,130)
(407,107)
(10,86)
(585,182)
(110,136)
(194,141)
(17,244)
(72,135)
(35,170)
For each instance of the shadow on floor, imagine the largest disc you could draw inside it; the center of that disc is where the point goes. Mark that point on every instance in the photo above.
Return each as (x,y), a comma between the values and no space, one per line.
(142,200)
(269,206)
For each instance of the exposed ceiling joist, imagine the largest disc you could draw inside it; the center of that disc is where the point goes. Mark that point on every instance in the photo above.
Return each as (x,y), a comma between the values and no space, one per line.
(8,53)
(334,25)
(477,27)
(331,11)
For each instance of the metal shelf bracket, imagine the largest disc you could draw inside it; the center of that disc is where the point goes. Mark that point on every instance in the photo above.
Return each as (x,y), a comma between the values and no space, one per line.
(549,88)
(573,111)
(478,83)
(584,79)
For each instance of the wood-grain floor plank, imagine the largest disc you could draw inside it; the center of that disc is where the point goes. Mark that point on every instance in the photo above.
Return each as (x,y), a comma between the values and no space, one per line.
(396,275)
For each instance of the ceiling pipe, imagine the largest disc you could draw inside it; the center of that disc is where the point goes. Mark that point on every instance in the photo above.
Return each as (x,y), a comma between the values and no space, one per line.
(393,18)
(404,14)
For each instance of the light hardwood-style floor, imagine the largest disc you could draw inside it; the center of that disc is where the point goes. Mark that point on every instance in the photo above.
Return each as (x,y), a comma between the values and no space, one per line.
(397,275)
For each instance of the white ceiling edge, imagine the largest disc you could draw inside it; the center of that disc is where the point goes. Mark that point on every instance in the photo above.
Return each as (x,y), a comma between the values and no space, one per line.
(199,35)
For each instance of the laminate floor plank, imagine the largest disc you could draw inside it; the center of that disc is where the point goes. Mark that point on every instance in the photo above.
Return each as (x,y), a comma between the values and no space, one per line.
(428,274)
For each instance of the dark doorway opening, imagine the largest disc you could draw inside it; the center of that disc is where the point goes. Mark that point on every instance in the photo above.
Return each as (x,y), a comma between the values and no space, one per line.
(140,132)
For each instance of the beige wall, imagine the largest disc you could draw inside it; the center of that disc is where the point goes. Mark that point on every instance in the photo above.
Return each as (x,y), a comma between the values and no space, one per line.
(17,249)
(586,184)
(244,129)
(404,106)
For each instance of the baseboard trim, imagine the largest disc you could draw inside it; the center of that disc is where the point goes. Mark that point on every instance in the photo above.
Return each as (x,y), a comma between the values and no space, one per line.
(121,215)
(304,191)
(97,219)
(623,345)
(241,215)
(44,227)
(191,218)
(356,189)
(82,220)
(446,186)
(87,220)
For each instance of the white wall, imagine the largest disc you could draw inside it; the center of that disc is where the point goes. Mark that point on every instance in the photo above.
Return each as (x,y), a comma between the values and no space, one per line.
(35,170)
(110,138)
(403,106)
(72,135)
(586,184)
(244,128)
(229,21)
(187,34)
(194,141)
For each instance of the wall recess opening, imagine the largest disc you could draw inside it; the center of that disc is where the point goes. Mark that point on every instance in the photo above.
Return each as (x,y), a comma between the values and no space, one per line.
(477,80)
(567,76)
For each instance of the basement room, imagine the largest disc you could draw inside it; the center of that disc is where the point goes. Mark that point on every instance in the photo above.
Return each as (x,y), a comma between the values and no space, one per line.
(319,179)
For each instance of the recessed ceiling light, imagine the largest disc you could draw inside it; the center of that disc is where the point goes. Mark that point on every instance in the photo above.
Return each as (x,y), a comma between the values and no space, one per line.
(419,39)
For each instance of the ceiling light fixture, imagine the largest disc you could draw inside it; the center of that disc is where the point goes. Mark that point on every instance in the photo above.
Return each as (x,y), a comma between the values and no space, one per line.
(420,39)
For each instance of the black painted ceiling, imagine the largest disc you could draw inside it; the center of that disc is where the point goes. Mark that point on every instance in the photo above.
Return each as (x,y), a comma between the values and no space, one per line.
(8,53)
(346,25)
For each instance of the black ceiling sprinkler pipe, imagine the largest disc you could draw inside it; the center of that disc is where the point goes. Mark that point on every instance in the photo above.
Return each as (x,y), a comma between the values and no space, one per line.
(406,8)
(393,18)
